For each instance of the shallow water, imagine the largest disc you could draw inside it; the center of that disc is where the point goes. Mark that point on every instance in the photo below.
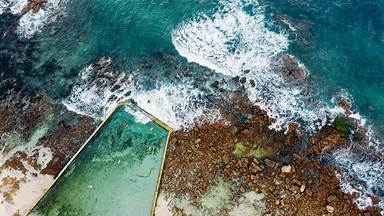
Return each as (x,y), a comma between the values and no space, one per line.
(115,174)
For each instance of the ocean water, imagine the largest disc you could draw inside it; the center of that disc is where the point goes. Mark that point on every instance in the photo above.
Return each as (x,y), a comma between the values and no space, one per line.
(126,30)
(166,48)
(341,43)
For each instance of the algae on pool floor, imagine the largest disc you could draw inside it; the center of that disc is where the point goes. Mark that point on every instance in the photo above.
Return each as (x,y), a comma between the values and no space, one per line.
(116,173)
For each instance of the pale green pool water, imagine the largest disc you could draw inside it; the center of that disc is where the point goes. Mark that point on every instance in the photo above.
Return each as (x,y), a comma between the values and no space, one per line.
(115,174)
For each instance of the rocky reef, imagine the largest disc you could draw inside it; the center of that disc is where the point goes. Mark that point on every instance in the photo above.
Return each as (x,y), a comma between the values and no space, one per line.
(37,138)
(245,153)
(236,165)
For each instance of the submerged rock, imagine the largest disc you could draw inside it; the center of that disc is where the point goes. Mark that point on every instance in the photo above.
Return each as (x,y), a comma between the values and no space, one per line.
(290,69)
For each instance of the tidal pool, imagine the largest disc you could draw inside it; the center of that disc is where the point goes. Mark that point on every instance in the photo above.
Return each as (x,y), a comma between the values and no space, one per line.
(116,173)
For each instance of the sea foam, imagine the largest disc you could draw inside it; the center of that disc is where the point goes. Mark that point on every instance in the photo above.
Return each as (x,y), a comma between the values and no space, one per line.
(31,23)
(235,39)
(180,105)
(232,39)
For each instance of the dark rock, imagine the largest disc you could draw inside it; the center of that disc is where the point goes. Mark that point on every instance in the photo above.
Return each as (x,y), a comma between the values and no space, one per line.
(290,69)
(243,80)
(215,84)
(253,83)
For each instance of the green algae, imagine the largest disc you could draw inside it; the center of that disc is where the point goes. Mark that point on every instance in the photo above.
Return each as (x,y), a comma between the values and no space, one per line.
(243,151)
(239,150)
(343,126)
(115,174)
(257,153)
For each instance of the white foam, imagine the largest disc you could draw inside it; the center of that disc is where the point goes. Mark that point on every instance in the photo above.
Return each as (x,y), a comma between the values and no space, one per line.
(31,23)
(232,40)
(362,176)
(178,105)
(15,6)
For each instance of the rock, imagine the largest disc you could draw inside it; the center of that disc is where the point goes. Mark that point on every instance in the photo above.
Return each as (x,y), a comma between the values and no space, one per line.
(330,209)
(332,198)
(215,84)
(33,6)
(290,69)
(115,87)
(295,189)
(243,80)
(302,188)
(234,130)
(269,163)
(286,169)
(343,103)
(197,141)
(309,192)
(247,71)
(253,83)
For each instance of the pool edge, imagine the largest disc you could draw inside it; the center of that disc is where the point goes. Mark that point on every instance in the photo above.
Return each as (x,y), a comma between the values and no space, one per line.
(132,104)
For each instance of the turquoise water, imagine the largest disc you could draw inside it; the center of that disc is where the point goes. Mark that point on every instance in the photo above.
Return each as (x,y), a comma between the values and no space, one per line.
(126,30)
(340,42)
(115,174)
(342,45)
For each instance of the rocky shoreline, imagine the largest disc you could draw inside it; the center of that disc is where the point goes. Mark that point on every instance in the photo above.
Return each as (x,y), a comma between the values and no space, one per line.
(253,158)
(37,138)
(250,165)
(262,171)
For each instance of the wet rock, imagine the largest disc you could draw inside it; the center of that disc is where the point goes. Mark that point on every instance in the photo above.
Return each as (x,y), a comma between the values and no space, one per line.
(115,87)
(343,103)
(290,69)
(243,80)
(33,5)
(253,83)
(215,84)
(236,78)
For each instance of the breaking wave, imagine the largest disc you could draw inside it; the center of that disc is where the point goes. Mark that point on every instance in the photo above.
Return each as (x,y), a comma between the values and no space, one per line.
(32,22)
(235,39)
(180,105)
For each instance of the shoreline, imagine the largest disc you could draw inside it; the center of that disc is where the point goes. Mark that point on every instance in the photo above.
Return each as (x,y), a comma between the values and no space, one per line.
(239,150)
